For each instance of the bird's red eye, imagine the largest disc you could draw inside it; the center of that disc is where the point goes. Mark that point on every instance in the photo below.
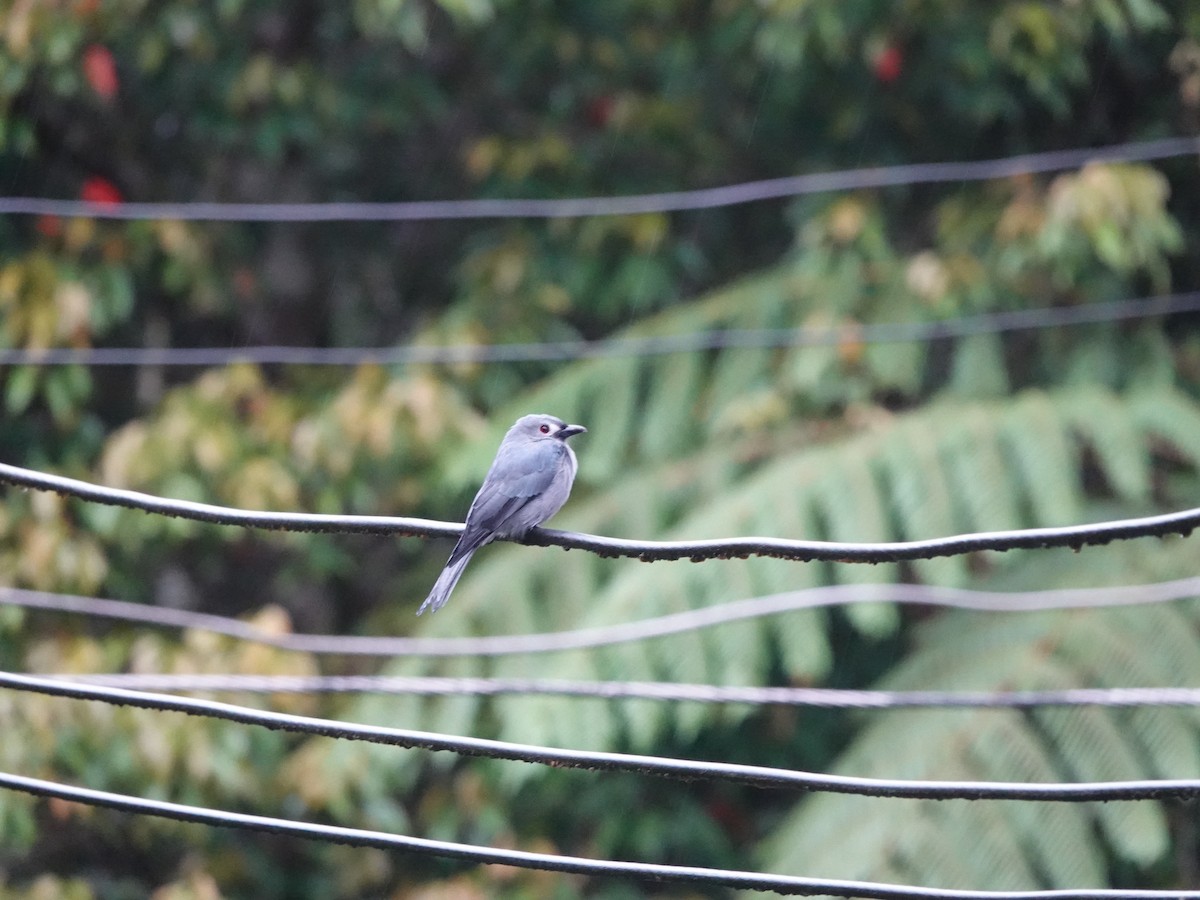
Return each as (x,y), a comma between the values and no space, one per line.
(545,429)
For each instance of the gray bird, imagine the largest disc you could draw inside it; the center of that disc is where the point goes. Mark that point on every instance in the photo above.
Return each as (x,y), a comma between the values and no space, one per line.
(528,482)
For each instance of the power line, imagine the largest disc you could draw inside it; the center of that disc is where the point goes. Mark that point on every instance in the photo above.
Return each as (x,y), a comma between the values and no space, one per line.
(357,837)
(752,776)
(653,345)
(645,629)
(827,698)
(1074,536)
(670,201)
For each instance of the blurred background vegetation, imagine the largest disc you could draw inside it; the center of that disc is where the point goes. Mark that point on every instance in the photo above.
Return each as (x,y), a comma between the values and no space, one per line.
(273,101)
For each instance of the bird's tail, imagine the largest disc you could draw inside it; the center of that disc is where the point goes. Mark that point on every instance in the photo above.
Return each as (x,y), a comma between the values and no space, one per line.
(445,584)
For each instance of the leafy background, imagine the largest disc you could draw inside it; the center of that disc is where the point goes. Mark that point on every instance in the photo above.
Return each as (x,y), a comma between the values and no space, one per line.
(265,101)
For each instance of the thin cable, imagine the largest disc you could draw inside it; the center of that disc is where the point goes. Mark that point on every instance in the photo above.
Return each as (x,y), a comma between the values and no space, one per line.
(753,776)
(358,837)
(1074,536)
(826,698)
(671,201)
(645,629)
(455,354)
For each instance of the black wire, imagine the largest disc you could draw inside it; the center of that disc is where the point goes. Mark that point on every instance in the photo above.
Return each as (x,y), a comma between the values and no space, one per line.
(1074,536)
(357,837)
(753,776)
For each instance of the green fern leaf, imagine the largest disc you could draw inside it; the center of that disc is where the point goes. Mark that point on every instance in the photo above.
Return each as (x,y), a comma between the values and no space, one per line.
(1103,423)
(979,367)
(1037,441)
(921,500)
(1060,845)
(981,480)
(1093,748)
(896,365)
(669,416)
(613,420)
(1170,416)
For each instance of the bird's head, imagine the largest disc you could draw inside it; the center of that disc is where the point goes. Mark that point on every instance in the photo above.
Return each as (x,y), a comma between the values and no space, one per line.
(543,427)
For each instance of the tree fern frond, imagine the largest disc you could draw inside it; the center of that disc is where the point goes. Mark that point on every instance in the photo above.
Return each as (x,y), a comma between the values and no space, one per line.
(644,722)
(1036,439)
(799,637)
(1021,754)
(457,713)
(1151,357)
(613,418)
(921,499)
(1171,416)
(948,463)
(1099,419)
(1093,748)
(919,857)
(552,721)
(981,479)
(803,644)
(738,652)
(1092,362)
(1062,845)
(850,500)
(684,660)
(669,417)
(1007,652)
(1083,637)
(851,503)
(736,376)
(1167,741)
(896,365)
(1171,630)
(1141,560)
(845,837)
(869,838)
(849,489)
(1003,855)
(813,373)
(1086,863)
(979,368)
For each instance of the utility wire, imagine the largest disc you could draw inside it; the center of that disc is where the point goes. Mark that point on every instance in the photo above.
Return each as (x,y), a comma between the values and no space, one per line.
(1074,536)
(752,776)
(357,837)
(605,635)
(827,698)
(671,201)
(651,345)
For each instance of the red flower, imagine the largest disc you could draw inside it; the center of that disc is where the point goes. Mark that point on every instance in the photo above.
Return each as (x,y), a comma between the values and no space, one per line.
(100,70)
(889,64)
(100,191)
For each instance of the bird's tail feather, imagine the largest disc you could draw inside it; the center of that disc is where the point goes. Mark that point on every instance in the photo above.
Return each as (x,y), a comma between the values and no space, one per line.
(445,584)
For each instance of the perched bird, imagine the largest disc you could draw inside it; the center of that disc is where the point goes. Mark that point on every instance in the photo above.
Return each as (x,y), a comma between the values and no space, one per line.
(528,482)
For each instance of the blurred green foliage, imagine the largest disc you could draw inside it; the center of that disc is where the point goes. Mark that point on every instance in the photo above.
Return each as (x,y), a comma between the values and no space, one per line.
(266,101)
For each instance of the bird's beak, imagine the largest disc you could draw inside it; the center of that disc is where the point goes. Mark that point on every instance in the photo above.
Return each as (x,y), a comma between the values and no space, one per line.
(570,431)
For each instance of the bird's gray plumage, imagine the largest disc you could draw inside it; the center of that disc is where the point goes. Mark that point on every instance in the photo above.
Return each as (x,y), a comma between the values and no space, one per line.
(528,482)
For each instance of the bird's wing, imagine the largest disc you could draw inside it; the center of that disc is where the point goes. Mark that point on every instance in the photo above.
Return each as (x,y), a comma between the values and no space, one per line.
(518,476)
